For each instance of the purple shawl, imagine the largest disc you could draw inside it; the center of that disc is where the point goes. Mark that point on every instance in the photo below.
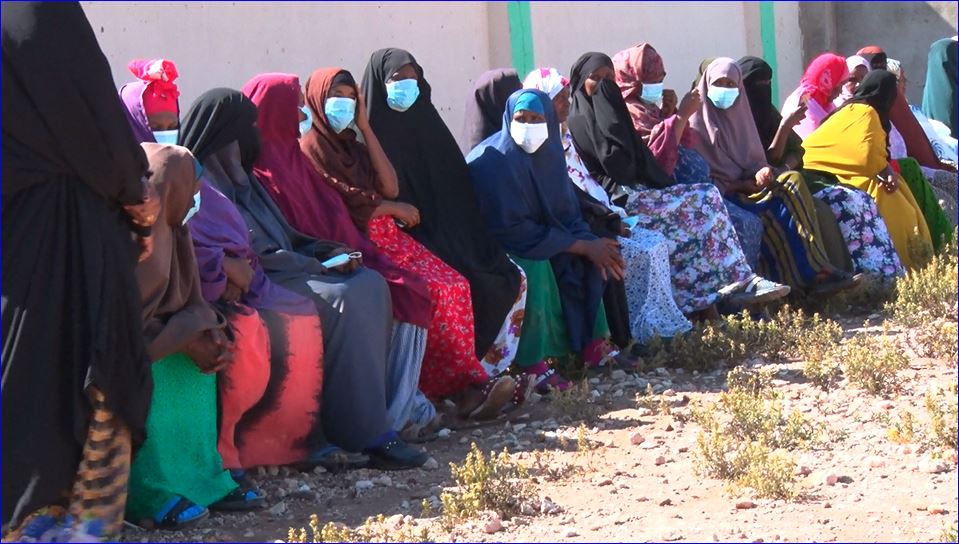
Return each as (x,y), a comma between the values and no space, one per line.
(219,231)
(132,96)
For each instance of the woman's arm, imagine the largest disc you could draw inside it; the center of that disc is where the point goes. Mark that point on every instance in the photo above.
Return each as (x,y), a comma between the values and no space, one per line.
(389,186)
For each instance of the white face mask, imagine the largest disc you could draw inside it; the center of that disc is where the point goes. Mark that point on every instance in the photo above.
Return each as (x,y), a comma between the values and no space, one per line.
(529,136)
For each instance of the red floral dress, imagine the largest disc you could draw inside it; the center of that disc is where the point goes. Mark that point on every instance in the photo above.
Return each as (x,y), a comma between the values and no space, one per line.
(450,363)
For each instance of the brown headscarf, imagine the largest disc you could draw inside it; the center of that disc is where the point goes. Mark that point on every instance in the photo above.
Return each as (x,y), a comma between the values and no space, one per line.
(174,311)
(344,161)
(727,139)
(634,66)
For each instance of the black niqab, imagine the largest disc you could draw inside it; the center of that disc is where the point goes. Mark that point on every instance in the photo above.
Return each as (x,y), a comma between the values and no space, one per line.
(879,89)
(485,106)
(604,135)
(433,176)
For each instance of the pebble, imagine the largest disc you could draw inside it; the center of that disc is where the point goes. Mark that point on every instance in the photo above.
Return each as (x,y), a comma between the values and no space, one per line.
(570,533)
(669,393)
(618,375)
(636,439)
(478,433)
(519,427)
(363,485)
(277,509)
(830,479)
(319,470)
(875,462)
(464,440)
(932,466)
(936,510)
(885,405)
(660,460)
(665,502)
(683,449)
(431,464)
(493,525)
(604,482)
(273,471)
(648,445)
(745,505)
(527,509)
(444,433)
(803,470)
(384,481)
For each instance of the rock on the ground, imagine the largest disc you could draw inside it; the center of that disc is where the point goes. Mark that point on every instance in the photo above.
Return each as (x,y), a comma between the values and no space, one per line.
(570,533)
(431,464)
(875,462)
(745,505)
(444,433)
(660,460)
(492,523)
(363,485)
(636,439)
(277,509)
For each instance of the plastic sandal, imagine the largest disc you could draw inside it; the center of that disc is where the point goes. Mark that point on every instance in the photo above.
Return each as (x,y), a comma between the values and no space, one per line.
(179,513)
(496,394)
(525,385)
(240,500)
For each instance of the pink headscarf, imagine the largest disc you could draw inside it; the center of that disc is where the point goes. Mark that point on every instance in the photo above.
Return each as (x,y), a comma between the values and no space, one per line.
(160,93)
(548,80)
(728,139)
(824,74)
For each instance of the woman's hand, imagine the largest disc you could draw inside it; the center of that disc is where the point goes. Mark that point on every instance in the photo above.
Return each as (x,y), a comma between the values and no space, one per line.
(231,293)
(604,254)
(669,102)
(794,118)
(690,104)
(239,272)
(146,213)
(765,177)
(146,247)
(348,267)
(406,213)
(888,180)
(359,117)
(211,351)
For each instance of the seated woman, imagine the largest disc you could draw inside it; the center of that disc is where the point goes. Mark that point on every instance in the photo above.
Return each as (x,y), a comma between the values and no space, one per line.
(858,67)
(939,94)
(821,84)
(706,259)
(353,301)
(639,74)
(850,148)
(484,108)
(862,230)
(651,309)
(352,180)
(177,472)
(792,249)
(433,178)
(278,337)
(943,144)
(529,207)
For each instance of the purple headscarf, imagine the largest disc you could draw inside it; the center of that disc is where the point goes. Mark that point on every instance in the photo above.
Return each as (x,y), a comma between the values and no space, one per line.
(132,96)
(219,231)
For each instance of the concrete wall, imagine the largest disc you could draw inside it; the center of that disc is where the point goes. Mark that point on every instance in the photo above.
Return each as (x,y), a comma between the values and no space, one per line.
(226,43)
(903,29)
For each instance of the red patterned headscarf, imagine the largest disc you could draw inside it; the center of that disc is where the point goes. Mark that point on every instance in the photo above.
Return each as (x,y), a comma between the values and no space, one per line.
(161,93)
(824,74)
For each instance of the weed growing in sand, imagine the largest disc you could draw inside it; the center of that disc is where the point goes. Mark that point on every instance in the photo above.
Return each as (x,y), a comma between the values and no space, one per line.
(873,363)
(942,409)
(378,529)
(904,429)
(746,436)
(576,402)
(494,482)
(949,533)
(926,303)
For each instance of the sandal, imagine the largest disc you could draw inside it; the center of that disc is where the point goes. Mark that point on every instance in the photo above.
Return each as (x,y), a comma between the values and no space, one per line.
(756,290)
(496,394)
(833,282)
(333,459)
(525,385)
(179,513)
(240,500)
(546,379)
(419,434)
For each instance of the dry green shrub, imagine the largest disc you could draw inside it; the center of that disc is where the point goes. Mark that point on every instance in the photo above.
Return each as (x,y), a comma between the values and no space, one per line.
(873,363)
(493,482)
(378,529)
(746,433)
(949,533)
(926,303)
(943,412)
(576,402)
(545,465)
(904,429)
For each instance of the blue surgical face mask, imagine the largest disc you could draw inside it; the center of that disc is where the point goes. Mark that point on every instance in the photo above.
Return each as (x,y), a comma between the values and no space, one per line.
(400,95)
(307,123)
(166,137)
(196,207)
(652,92)
(722,97)
(340,112)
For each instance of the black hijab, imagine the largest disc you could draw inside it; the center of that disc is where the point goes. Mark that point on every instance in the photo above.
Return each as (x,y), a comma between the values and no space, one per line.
(433,177)
(603,132)
(879,89)
(485,106)
(217,118)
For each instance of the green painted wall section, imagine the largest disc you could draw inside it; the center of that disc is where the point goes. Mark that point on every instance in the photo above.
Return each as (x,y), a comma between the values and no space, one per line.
(521,37)
(767,35)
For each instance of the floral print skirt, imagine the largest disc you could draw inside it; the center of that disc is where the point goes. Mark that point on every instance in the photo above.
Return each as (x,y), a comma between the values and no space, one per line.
(649,294)
(704,252)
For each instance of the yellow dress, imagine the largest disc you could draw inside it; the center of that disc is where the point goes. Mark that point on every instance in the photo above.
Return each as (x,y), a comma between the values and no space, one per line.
(852,146)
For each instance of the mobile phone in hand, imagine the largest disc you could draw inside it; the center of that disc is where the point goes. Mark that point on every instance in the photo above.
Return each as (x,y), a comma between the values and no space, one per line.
(341,259)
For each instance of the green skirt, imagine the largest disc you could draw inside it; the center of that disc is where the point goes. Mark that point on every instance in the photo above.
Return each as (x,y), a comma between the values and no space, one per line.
(940,228)
(179,456)
(544,326)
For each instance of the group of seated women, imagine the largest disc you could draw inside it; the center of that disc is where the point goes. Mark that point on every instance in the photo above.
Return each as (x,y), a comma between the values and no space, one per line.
(329,277)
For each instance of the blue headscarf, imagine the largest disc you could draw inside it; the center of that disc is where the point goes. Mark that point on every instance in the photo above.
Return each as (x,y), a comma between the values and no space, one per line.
(530,208)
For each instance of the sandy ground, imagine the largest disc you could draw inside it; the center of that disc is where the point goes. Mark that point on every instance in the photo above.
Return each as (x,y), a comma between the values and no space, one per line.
(639,482)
